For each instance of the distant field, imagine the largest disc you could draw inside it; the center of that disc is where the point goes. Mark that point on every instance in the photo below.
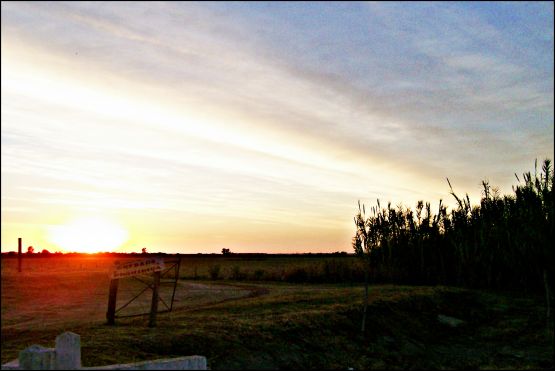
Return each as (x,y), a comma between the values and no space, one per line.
(53,264)
(301,268)
(271,325)
(272,267)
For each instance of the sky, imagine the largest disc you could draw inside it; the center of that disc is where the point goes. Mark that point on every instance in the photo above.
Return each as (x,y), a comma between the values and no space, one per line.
(258,126)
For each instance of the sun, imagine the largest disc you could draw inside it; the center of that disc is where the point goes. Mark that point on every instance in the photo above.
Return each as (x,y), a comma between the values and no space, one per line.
(88,235)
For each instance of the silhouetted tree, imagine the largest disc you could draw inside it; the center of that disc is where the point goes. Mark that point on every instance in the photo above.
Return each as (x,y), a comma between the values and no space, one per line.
(226,251)
(45,252)
(30,250)
(143,250)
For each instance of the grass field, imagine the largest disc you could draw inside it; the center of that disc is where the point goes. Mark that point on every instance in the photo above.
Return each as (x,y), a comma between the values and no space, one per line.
(272,267)
(270,325)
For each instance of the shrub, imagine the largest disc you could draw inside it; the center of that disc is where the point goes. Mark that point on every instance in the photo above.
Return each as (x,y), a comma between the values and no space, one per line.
(296,275)
(236,273)
(214,272)
(258,274)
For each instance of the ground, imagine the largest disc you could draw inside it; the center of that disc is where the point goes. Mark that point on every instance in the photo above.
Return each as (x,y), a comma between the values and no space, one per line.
(255,325)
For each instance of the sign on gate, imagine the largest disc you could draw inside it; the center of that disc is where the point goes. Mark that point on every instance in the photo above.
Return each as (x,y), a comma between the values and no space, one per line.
(137,267)
(159,270)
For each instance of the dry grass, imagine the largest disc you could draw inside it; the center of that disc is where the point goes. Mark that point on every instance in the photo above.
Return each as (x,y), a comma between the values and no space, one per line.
(271,325)
(59,291)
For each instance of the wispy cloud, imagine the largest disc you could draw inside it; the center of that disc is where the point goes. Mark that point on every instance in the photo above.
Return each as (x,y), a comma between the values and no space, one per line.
(283,114)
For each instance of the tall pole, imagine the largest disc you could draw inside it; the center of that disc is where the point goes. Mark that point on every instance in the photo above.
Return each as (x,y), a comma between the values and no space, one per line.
(19,254)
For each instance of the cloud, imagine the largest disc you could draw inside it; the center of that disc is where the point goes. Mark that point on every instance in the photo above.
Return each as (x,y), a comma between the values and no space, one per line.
(297,108)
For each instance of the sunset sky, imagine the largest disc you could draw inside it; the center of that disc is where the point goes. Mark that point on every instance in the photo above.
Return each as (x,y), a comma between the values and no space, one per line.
(192,127)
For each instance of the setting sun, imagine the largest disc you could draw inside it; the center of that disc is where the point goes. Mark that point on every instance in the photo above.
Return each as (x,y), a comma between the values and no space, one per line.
(88,235)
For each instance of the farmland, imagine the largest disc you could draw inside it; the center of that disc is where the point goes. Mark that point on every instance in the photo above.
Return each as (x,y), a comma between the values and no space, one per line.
(270,323)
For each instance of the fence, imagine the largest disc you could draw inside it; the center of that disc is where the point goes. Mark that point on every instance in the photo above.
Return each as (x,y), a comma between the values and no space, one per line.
(67,356)
(160,268)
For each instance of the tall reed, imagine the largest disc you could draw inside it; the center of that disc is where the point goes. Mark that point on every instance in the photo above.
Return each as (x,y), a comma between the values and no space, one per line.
(504,242)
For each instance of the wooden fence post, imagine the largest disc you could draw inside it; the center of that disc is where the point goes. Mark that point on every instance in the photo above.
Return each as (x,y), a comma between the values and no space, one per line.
(19,254)
(154,304)
(111,313)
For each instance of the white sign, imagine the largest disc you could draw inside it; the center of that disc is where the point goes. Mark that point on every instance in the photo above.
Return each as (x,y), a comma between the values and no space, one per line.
(137,267)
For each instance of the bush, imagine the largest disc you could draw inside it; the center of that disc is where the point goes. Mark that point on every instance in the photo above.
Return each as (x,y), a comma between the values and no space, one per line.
(215,272)
(258,274)
(296,275)
(236,273)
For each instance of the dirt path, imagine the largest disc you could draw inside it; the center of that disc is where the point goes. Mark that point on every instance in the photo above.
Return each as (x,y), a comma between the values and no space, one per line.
(42,300)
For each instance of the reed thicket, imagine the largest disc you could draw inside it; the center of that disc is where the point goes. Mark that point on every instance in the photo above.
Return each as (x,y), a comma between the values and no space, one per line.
(505,242)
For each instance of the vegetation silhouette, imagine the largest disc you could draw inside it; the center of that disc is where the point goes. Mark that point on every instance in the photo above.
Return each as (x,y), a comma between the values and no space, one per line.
(226,251)
(504,243)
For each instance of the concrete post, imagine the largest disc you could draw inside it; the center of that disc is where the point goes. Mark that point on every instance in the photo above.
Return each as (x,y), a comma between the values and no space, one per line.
(37,357)
(68,351)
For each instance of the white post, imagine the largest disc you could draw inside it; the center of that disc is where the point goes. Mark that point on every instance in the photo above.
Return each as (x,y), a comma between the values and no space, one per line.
(37,357)
(68,351)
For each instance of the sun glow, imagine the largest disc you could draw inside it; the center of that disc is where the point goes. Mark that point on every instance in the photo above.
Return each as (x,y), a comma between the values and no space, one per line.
(88,235)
